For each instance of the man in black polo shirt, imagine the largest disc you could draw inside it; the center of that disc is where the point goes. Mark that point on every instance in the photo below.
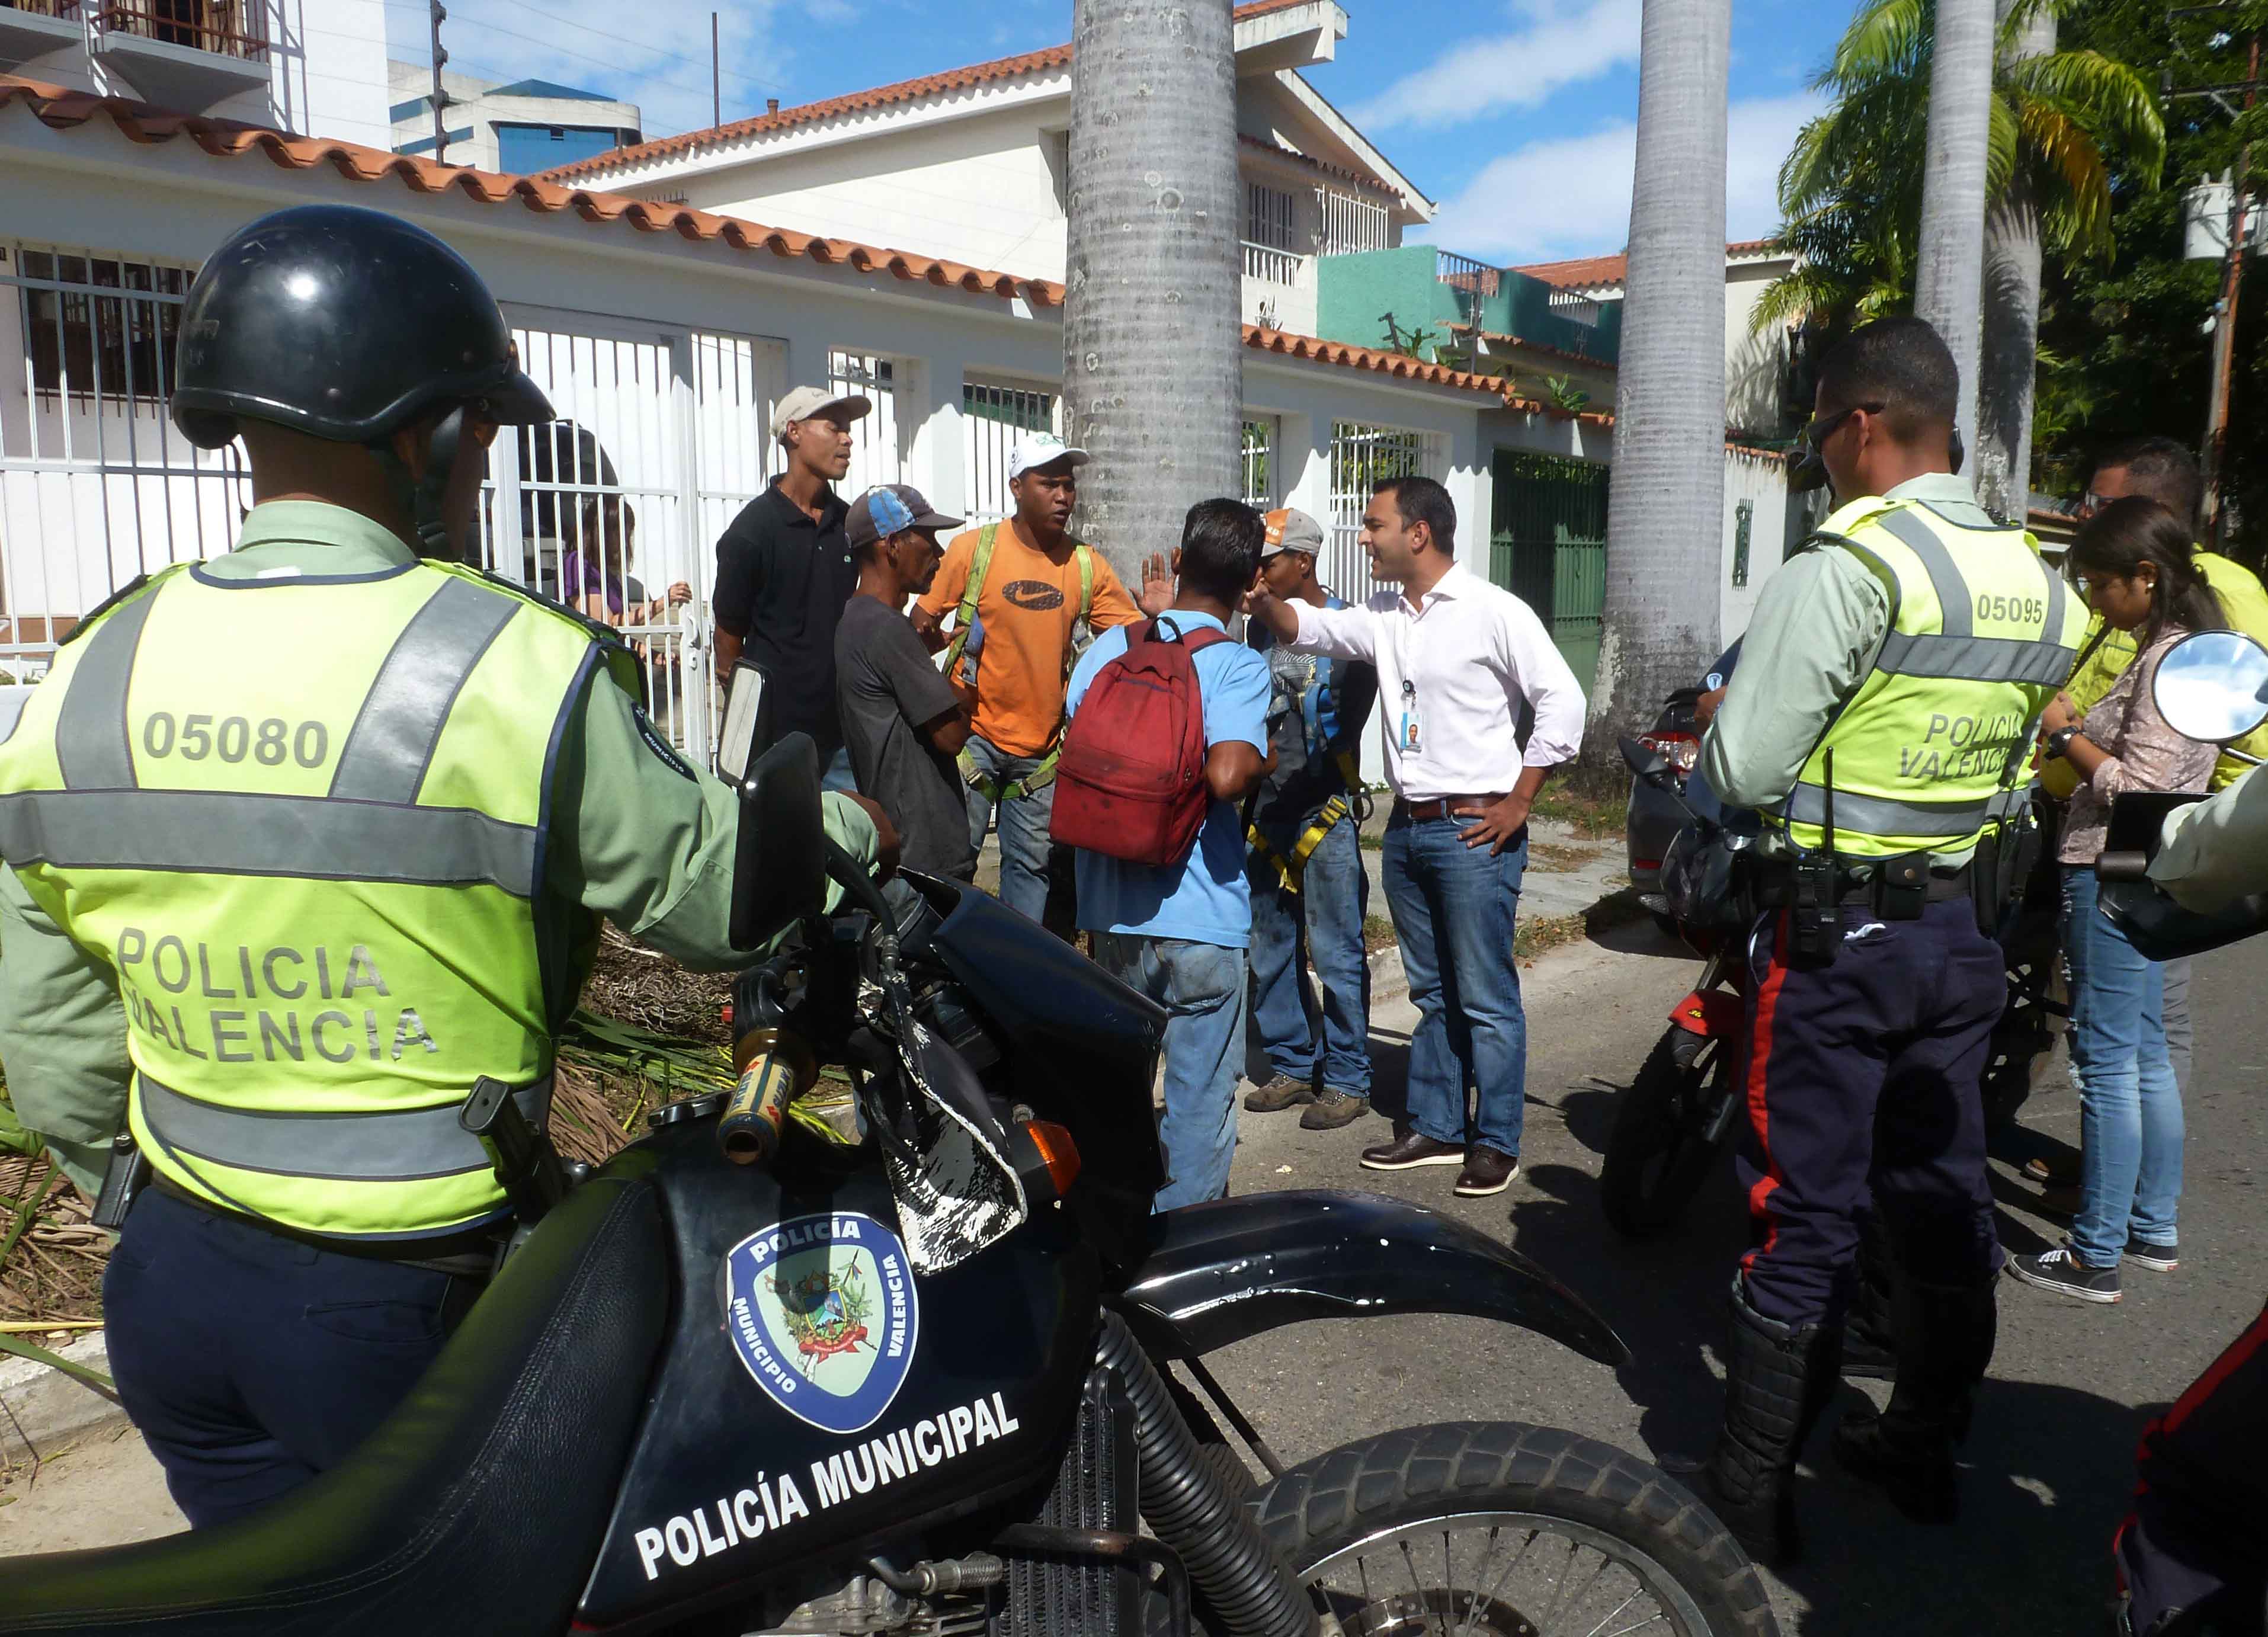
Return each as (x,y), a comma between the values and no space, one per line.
(785,570)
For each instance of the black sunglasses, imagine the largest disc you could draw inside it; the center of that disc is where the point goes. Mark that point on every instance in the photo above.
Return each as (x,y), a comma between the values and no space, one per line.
(1814,436)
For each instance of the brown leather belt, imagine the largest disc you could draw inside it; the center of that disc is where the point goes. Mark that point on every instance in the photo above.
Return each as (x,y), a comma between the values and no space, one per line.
(1446,806)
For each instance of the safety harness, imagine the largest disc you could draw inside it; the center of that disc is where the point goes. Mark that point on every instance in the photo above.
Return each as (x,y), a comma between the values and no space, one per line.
(1292,869)
(1039,777)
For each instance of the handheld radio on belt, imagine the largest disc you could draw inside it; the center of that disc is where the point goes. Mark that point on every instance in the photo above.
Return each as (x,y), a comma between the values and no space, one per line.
(1815,920)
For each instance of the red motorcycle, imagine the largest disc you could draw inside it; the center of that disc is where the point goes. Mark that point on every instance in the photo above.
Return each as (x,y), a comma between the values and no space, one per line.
(1680,1110)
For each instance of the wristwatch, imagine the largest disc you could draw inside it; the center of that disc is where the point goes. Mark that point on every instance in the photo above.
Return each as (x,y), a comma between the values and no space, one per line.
(2059,740)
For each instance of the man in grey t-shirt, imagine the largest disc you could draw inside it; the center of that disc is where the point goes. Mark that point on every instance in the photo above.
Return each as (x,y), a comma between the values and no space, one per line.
(902,722)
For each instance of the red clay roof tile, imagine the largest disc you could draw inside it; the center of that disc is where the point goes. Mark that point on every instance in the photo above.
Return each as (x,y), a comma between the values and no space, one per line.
(1613,269)
(64,109)
(854,102)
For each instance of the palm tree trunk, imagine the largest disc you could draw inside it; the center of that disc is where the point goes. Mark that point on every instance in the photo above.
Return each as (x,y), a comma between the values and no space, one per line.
(2006,374)
(1949,276)
(1152,355)
(1665,521)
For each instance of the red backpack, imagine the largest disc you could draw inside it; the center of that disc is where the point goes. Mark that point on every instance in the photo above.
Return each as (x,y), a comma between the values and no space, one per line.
(1131,783)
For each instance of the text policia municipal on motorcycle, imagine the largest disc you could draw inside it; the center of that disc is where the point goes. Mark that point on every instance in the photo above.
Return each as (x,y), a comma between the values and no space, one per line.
(346,871)
(775,1503)
(1878,720)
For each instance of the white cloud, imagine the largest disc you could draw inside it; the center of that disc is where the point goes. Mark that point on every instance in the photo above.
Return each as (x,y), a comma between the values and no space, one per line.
(1562,42)
(1571,195)
(655,53)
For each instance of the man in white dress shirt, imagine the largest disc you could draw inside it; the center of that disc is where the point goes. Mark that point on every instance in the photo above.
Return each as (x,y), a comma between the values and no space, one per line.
(1456,659)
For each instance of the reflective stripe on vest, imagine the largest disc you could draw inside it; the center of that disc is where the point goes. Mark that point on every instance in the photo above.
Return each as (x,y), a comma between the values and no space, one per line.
(303,820)
(1981,633)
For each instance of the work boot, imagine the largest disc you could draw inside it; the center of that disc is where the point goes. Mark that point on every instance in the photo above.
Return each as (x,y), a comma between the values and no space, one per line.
(1777,1378)
(1945,1336)
(1283,1092)
(1333,1110)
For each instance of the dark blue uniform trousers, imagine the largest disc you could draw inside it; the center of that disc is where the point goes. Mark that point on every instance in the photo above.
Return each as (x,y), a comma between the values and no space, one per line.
(1860,1074)
(248,1361)
(2194,1540)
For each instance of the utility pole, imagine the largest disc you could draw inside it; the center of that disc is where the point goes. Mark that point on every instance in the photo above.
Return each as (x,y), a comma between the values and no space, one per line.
(440,98)
(716,78)
(2215,450)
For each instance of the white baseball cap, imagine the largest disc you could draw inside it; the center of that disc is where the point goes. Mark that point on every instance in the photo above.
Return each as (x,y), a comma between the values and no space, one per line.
(1039,449)
(805,402)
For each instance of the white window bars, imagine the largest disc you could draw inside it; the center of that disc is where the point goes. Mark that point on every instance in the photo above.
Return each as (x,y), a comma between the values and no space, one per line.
(96,485)
(1362,457)
(876,454)
(995,416)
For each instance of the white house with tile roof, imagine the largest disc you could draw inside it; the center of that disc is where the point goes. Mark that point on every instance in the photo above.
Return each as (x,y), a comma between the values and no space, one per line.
(972,164)
(664,334)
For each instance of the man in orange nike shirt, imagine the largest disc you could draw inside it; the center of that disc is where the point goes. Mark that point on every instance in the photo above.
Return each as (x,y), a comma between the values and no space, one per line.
(1028,599)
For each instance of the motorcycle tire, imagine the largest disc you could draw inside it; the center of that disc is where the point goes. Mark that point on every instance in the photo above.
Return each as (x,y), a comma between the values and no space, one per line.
(1492,1492)
(1658,1150)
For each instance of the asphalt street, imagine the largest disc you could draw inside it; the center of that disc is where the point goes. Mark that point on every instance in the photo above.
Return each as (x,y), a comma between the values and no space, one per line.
(2049,1464)
(2047,1468)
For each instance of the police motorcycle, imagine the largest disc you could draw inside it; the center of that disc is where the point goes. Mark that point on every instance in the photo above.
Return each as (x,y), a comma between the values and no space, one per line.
(742,1379)
(1679,1111)
(2212,687)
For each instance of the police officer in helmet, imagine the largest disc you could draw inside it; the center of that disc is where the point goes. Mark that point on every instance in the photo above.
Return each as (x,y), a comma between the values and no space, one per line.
(1880,720)
(304,840)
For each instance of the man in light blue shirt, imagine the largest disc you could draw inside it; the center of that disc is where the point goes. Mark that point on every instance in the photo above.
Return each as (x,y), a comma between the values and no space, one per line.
(1178,932)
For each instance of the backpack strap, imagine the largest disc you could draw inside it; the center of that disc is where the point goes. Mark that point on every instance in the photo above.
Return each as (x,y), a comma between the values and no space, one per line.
(979,563)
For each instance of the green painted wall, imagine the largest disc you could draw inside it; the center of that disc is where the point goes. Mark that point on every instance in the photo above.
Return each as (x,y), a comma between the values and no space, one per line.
(1353,292)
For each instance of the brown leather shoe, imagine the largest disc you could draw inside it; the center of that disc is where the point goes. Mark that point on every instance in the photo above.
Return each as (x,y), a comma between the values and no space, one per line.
(1487,1172)
(1410,1149)
(1333,1110)
(1281,1093)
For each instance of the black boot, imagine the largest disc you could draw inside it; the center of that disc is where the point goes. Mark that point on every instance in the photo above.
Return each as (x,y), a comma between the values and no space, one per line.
(1777,1378)
(1945,1336)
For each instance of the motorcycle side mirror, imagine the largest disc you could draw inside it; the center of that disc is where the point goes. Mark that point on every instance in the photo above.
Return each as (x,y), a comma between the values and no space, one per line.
(2213,686)
(1649,764)
(779,857)
(745,721)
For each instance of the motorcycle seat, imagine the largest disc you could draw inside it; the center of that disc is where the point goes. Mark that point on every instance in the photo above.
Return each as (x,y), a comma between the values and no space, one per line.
(477,1505)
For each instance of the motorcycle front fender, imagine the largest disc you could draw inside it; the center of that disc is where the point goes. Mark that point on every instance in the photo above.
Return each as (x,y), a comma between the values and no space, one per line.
(1219,1272)
(1712,1013)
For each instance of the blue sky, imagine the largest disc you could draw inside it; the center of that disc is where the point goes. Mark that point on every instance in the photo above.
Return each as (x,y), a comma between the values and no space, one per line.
(1514,116)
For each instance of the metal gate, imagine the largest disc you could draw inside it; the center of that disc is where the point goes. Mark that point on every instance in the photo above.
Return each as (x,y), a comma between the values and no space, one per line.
(1362,458)
(1549,549)
(876,454)
(995,416)
(96,485)
(1260,461)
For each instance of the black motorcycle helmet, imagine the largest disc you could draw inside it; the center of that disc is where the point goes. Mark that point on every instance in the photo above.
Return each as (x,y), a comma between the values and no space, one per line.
(347,324)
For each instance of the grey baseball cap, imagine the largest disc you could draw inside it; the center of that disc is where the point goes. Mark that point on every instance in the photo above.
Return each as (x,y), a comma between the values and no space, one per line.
(1290,530)
(889,509)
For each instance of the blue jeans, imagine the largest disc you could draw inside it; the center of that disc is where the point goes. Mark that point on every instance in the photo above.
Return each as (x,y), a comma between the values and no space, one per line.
(1329,910)
(2130,1108)
(1202,987)
(1023,825)
(1453,910)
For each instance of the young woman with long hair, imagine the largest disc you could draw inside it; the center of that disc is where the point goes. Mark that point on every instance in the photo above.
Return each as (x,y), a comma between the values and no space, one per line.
(2137,566)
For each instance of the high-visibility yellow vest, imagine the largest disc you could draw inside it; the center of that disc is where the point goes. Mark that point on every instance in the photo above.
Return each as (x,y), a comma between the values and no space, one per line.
(303,819)
(1981,634)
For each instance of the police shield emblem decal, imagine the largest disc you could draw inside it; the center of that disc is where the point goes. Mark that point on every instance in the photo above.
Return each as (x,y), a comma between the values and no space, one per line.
(823,1311)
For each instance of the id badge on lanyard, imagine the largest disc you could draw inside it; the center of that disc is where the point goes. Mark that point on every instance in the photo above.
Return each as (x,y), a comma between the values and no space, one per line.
(1411,731)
